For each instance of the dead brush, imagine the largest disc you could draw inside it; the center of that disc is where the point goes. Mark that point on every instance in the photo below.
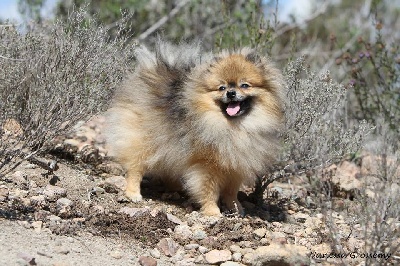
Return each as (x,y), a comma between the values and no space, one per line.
(51,76)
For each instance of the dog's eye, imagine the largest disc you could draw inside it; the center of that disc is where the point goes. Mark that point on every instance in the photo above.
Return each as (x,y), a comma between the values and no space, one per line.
(244,86)
(222,87)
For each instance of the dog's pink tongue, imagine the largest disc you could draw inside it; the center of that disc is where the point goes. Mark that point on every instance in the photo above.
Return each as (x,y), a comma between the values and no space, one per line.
(233,108)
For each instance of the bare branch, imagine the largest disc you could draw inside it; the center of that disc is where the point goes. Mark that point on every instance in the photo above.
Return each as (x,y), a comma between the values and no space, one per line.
(163,20)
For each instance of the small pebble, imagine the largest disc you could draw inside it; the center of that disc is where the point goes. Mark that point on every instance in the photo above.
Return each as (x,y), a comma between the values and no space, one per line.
(191,246)
(147,261)
(202,249)
(155,253)
(237,256)
(116,254)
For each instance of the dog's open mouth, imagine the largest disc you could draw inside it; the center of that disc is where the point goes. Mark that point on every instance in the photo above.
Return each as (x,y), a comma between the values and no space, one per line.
(236,108)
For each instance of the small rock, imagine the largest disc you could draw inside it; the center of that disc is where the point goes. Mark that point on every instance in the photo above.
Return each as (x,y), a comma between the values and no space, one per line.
(202,249)
(41,215)
(280,240)
(235,248)
(62,250)
(183,231)
(52,193)
(191,246)
(259,233)
(64,206)
(132,212)
(347,178)
(264,241)
(37,226)
(114,184)
(98,191)
(209,241)
(45,254)
(3,193)
(147,261)
(38,201)
(72,142)
(246,244)
(78,220)
(19,178)
(275,235)
(168,246)
(54,218)
(27,257)
(199,259)
(301,217)
(217,256)
(237,256)
(116,254)
(174,219)
(25,224)
(155,253)
(186,262)
(17,194)
(195,218)
(31,166)
(231,263)
(199,234)
(277,224)
(179,256)
(247,250)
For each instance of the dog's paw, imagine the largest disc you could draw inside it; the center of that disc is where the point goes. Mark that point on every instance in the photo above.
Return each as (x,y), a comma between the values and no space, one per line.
(133,196)
(211,211)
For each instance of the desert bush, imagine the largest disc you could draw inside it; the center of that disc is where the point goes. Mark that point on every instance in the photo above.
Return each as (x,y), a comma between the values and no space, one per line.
(317,133)
(372,214)
(317,130)
(373,73)
(51,76)
(379,211)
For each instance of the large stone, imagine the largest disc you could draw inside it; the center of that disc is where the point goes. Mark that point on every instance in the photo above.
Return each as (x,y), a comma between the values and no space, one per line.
(346,180)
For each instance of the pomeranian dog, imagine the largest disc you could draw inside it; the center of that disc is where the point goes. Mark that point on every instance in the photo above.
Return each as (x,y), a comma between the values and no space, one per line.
(207,122)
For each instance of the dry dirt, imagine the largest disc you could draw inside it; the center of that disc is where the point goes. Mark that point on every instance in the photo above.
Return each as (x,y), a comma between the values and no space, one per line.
(79,216)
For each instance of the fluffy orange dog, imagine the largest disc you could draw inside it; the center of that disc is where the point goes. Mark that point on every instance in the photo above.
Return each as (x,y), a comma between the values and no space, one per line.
(209,122)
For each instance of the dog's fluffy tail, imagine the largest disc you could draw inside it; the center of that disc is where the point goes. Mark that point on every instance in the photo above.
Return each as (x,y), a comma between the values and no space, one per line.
(164,73)
(180,57)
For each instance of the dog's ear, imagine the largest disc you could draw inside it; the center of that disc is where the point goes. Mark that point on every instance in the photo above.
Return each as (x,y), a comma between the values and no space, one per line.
(253,57)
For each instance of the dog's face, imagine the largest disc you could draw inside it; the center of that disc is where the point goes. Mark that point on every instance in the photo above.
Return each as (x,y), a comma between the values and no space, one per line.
(234,84)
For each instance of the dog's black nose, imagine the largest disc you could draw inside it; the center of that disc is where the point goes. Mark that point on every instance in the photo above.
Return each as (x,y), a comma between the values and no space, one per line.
(231,94)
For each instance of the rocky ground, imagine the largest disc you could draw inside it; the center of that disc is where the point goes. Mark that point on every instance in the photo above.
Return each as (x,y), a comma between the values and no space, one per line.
(78,215)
